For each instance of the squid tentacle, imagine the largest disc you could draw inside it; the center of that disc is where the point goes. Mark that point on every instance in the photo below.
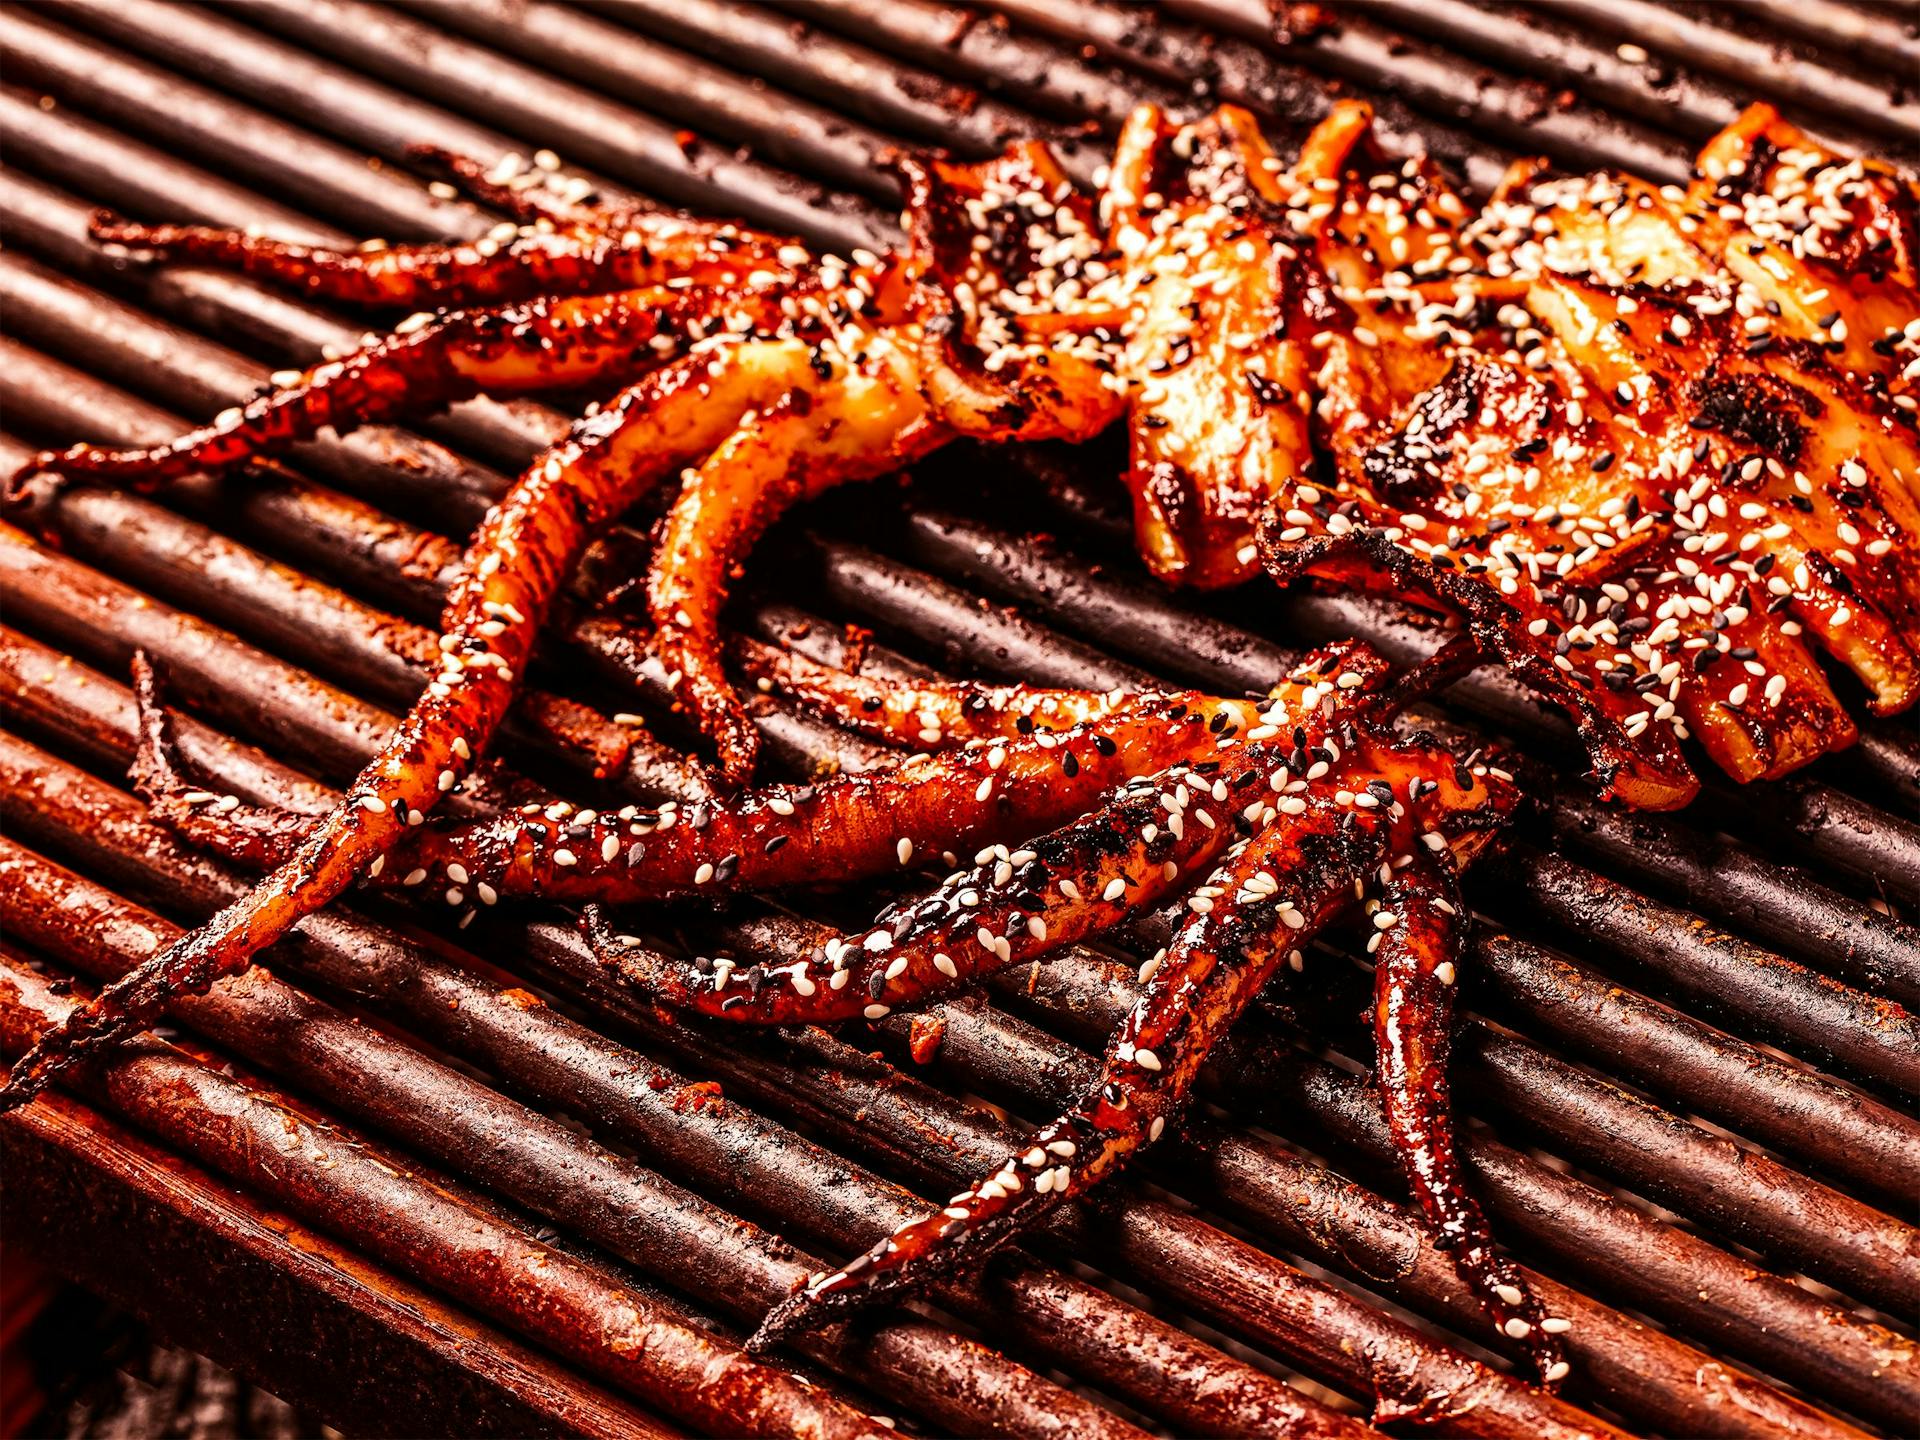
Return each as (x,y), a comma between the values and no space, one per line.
(846,417)
(933,714)
(856,824)
(523,349)
(1417,946)
(644,248)
(1010,907)
(851,826)
(257,837)
(929,714)
(1241,930)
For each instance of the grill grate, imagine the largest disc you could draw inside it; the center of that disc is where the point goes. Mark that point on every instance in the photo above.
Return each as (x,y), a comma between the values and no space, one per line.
(470,1189)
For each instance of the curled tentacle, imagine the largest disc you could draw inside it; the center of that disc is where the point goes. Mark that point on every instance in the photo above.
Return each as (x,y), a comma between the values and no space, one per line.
(851,410)
(1012,906)
(257,837)
(1417,949)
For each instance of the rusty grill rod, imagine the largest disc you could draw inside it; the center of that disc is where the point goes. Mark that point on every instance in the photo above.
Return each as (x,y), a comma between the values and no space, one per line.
(1613,76)
(804,59)
(416,1219)
(1875,33)
(974,46)
(263,1283)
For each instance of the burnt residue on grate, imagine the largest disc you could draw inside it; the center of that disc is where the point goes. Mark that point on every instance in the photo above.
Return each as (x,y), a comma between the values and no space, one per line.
(460,1160)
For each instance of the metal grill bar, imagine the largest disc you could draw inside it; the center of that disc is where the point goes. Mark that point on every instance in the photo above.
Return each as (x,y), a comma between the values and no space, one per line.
(900,69)
(1704,41)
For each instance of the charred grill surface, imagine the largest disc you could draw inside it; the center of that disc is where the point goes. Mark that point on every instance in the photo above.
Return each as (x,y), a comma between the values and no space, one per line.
(1754,980)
